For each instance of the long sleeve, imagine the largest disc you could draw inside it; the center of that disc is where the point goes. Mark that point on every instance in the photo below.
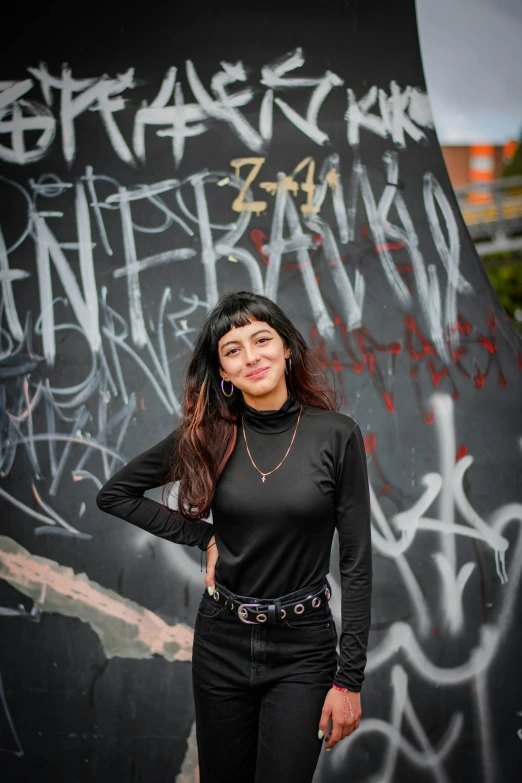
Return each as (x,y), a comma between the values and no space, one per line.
(355,561)
(122,496)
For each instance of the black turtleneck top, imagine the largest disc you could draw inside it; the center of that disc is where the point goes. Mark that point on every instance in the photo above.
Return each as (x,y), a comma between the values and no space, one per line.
(275,537)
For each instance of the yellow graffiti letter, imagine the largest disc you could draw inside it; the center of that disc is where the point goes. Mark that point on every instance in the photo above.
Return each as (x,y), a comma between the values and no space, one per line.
(239,204)
(308,185)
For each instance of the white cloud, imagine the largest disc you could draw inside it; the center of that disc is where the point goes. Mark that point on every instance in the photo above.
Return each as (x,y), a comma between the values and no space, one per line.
(472,55)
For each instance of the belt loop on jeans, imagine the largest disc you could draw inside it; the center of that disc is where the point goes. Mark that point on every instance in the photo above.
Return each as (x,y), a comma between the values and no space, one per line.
(273,612)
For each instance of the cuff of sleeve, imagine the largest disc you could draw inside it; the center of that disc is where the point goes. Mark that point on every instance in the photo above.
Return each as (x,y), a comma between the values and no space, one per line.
(207,535)
(350,683)
(342,685)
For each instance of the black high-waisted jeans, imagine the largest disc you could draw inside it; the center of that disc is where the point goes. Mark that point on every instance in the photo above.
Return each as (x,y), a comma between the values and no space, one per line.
(259,691)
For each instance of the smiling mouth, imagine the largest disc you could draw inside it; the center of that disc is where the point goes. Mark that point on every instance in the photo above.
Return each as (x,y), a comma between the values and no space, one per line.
(257,373)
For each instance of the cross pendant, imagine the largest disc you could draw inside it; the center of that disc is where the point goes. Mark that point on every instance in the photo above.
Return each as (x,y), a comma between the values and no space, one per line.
(263,479)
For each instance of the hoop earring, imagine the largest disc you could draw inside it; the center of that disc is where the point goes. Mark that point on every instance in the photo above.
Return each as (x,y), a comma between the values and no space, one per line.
(288,367)
(223,390)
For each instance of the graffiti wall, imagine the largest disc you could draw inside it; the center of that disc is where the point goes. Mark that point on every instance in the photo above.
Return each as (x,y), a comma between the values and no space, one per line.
(290,153)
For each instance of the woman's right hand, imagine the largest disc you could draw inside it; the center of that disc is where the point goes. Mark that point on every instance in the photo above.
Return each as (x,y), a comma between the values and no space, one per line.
(212,556)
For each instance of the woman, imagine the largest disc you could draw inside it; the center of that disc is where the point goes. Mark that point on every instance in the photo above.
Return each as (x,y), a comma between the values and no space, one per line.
(262,447)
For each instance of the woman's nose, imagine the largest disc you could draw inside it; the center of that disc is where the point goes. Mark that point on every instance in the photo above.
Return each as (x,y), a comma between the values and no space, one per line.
(251,357)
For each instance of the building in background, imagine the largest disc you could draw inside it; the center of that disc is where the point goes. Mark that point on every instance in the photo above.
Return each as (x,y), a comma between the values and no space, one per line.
(473,164)
(490,201)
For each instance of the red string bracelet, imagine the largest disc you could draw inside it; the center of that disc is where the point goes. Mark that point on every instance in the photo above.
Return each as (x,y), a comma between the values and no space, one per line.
(346,699)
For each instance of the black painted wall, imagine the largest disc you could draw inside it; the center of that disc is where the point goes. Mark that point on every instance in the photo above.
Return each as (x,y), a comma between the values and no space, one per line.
(123,217)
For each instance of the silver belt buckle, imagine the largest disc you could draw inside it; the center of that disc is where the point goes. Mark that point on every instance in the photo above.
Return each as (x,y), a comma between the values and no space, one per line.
(243,613)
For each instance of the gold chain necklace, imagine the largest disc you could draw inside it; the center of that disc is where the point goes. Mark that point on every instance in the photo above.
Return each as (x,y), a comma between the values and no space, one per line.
(264,475)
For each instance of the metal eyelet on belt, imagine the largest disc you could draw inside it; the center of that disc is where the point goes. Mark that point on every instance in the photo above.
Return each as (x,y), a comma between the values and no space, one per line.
(261,618)
(216,595)
(327,594)
(283,614)
(316,603)
(299,609)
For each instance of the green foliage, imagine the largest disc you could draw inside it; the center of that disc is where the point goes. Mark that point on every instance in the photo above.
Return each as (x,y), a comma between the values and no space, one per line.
(514,167)
(505,269)
(505,274)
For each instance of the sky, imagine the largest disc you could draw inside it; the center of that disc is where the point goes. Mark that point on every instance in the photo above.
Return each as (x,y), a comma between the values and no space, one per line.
(472,56)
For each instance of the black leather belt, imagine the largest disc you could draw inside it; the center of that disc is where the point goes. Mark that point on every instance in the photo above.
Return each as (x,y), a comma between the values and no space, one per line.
(272,613)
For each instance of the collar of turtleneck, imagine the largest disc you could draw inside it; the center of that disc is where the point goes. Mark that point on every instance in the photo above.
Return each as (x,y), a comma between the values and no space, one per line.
(272,422)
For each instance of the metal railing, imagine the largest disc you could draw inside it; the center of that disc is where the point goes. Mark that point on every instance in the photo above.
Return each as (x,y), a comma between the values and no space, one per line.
(495,223)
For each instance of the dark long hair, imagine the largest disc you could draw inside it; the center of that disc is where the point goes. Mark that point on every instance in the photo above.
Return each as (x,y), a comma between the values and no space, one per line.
(207,434)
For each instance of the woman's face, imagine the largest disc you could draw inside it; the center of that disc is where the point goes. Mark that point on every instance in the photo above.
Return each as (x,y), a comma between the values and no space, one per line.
(252,357)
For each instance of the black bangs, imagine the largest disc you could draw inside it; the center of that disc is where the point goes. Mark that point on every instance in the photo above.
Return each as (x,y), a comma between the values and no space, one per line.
(238,311)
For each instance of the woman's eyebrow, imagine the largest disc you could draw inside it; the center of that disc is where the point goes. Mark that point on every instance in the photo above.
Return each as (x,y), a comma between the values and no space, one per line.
(235,342)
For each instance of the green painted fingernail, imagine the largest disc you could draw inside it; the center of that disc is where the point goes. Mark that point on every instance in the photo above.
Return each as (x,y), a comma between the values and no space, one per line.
(328,749)
(320,734)
(210,590)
